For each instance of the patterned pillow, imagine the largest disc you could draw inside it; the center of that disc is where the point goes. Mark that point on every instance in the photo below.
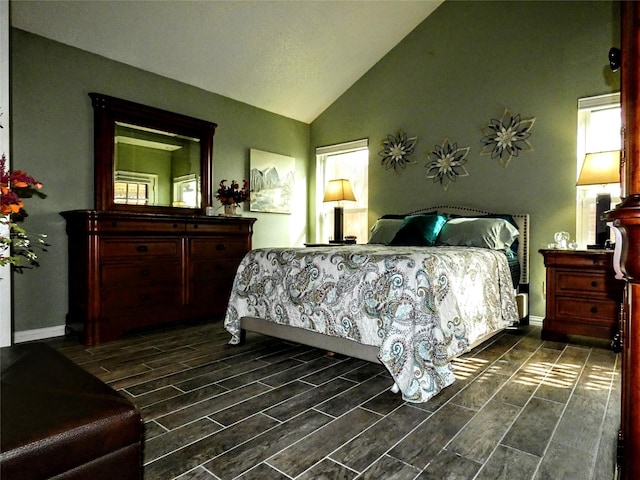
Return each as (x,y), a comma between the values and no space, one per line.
(419,230)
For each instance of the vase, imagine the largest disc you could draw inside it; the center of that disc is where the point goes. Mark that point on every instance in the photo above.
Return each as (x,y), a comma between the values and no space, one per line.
(230,210)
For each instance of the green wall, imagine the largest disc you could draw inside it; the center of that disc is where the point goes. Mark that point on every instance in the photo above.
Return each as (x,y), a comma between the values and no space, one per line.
(52,139)
(462,67)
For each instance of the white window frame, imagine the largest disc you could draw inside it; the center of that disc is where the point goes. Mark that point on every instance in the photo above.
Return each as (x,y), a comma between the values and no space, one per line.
(324,211)
(180,185)
(586,196)
(150,180)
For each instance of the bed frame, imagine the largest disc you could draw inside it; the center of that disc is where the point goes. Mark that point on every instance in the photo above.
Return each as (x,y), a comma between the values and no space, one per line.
(369,352)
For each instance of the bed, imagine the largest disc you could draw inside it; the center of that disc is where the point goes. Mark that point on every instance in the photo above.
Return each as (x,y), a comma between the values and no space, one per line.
(430,285)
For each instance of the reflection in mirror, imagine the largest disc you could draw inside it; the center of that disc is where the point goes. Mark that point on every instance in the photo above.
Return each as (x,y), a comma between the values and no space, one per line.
(135,188)
(155,168)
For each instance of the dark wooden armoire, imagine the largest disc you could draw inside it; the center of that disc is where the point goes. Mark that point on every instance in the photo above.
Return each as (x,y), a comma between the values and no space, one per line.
(626,218)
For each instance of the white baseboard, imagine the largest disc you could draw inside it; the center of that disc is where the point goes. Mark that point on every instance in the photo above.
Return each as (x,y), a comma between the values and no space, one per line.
(38,334)
(537,321)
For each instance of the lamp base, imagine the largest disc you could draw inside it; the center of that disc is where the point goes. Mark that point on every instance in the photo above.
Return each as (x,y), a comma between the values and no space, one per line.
(338,216)
(603,203)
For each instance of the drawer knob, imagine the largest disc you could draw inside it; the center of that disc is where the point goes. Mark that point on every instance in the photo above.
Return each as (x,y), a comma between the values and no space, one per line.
(142,248)
(144,272)
(594,284)
(144,297)
(220,246)
(195,226)
(594,309)
(175,225)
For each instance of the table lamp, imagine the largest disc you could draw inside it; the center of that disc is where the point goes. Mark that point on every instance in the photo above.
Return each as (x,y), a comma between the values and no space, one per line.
(600,168)
(337,191)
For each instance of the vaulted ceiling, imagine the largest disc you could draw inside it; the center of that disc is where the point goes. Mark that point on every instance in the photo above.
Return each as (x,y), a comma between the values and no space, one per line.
(293,58)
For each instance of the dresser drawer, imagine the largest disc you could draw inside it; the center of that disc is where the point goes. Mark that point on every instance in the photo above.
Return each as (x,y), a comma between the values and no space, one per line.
(579,260)
(139,247)
(586,309)
(218,228)
(134,225)
(147,273)
(582,283)
(223,247)
(214,269)
(120,299)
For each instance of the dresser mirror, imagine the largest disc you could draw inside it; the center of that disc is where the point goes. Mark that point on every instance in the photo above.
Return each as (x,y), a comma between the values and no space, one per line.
(150,160)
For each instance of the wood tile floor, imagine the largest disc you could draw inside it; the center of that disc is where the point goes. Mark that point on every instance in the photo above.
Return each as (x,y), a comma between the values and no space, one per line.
(520,409)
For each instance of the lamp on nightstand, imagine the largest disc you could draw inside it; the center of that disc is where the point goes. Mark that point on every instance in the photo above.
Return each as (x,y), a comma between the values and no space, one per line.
(337,191)
(601,168)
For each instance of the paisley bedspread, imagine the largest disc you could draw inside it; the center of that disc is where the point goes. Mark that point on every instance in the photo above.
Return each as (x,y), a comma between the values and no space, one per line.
(421,305)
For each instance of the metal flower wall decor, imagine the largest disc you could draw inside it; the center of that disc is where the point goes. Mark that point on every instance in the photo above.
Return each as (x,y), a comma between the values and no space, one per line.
(446,163)
(507,137)
(395,151)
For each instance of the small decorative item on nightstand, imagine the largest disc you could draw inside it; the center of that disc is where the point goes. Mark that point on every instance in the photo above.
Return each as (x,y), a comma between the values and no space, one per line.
(583,295)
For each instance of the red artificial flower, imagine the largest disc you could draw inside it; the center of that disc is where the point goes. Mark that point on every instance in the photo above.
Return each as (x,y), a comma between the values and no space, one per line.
(14,186)
(233,194)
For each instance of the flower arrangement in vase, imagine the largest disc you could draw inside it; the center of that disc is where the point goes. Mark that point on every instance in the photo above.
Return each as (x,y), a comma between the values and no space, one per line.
(14,241)
(231,196)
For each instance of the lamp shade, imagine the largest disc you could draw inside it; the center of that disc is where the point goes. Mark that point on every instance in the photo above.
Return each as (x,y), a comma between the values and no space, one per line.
(338,190)
(600,168)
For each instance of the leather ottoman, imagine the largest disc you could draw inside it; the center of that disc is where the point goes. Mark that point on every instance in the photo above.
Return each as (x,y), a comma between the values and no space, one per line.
(59,421)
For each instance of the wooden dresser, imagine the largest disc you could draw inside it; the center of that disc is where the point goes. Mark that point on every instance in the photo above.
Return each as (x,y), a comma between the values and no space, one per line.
(583,296)
(132,270)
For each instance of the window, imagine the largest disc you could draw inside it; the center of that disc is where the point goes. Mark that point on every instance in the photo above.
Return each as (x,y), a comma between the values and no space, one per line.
(185,191)
(350,161)
(599,123)
(135,188)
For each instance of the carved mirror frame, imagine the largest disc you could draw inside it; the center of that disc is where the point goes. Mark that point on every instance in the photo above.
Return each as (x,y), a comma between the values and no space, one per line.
(107,112)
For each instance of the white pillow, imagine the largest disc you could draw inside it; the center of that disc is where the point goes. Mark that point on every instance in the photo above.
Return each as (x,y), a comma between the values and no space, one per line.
(492,233)
(385,229)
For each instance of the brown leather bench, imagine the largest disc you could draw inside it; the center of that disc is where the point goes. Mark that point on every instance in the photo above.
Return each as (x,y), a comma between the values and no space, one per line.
(59,421)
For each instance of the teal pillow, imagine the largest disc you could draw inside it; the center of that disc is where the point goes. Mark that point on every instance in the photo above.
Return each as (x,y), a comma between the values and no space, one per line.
(419,230)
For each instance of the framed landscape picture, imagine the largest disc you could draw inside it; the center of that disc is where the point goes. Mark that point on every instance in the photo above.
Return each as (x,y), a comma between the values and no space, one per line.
(271,179)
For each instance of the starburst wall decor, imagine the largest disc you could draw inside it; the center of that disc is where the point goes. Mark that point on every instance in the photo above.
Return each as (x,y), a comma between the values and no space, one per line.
(395,151)
(506,138)
(446,163)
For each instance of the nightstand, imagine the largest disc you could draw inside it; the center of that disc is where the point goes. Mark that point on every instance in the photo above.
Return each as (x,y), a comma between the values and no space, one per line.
(583,295)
